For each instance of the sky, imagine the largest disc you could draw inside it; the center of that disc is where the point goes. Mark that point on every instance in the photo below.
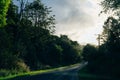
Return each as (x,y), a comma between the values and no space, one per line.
(79,19)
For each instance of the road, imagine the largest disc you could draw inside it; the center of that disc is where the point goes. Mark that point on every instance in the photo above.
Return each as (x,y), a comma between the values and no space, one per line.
(67,74)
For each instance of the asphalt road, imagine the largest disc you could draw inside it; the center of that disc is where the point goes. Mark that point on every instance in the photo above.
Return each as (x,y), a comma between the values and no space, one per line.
(67,74)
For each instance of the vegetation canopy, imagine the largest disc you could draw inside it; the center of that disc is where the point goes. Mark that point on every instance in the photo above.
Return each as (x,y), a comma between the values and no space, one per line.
(27,42)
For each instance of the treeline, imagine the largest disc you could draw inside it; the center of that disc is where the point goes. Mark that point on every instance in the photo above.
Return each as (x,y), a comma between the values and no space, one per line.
(27,41)
(105,59)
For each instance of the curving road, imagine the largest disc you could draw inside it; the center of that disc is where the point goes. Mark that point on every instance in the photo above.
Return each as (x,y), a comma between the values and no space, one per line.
(67,74)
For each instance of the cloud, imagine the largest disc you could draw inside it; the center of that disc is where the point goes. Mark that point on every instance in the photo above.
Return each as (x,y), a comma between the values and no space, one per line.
(77,18)
(75,14)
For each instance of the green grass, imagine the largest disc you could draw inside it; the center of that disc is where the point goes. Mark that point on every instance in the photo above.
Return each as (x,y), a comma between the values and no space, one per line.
(36,72)
(85,75)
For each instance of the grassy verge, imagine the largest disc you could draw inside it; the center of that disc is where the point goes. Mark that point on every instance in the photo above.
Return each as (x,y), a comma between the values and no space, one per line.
(85,75)
(37,72)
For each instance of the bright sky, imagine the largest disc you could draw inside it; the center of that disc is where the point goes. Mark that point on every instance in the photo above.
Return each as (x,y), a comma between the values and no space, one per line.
(79,19)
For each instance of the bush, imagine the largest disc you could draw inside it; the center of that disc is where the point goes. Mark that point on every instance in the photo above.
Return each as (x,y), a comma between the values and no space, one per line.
(4,72)
(21,66)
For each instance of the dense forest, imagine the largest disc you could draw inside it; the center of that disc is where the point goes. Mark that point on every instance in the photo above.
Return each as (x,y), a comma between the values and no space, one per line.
(27,42)
(104,59)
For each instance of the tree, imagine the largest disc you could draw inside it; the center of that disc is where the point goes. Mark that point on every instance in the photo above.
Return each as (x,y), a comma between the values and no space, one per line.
(55,54)
(111,48)
(22,4)
(39,15)
(24,41)
(4,4)
(111,35)
(89,53)
(111,7)
(12,14)
(71,50)
(27,43)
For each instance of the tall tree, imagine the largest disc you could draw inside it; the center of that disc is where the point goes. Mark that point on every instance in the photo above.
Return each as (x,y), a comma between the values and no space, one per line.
(112,34)
(39,15)
(22,4)
(12,14)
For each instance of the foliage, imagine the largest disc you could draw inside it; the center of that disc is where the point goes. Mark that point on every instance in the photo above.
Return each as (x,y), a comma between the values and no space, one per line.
(32,73)
(39,15)
(111,6)
(4,4)
(26,42)
(112,44)
(12,14)
(89,52)
(106,60)
(112,34)
(71,50)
